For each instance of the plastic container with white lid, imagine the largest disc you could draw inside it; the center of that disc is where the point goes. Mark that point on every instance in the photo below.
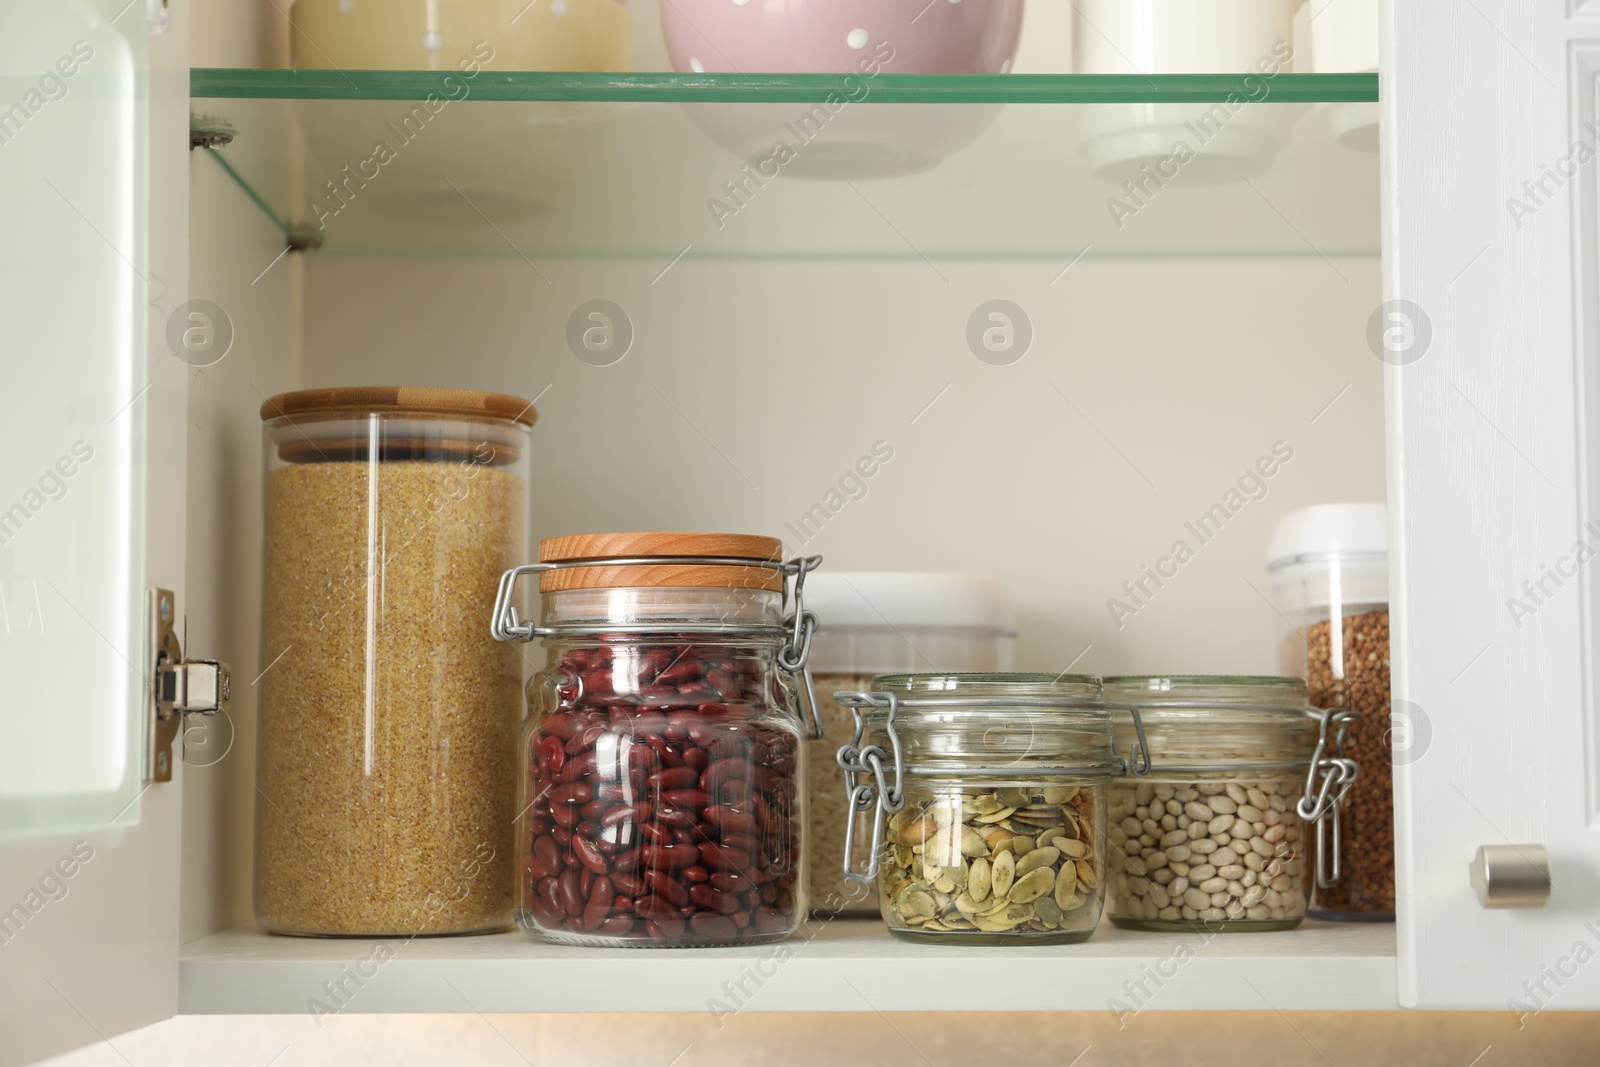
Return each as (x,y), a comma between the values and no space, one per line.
(885,623)
(1330,579)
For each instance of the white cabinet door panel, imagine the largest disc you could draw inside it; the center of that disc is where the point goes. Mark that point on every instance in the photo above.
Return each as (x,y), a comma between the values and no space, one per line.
(93,213)
(1491,229)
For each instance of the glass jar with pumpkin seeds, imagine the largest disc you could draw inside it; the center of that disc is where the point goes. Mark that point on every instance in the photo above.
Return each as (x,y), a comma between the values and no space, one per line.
(1216,834)
(985,799)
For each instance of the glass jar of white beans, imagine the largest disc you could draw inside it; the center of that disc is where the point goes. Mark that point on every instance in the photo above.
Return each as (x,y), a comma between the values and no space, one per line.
(1214,834)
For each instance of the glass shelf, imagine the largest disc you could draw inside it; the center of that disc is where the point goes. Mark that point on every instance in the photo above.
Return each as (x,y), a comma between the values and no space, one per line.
(661,165)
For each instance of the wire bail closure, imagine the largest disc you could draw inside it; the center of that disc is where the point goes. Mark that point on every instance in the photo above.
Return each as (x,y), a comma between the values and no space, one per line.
(799,625)
(1321,803)
(878,794)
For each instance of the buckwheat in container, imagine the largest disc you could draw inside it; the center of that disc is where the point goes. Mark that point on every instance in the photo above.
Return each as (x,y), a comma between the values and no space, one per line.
(1329,568)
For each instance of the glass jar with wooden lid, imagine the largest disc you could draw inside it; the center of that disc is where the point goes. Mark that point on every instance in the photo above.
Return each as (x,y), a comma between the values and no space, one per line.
(661,758)
(388,712)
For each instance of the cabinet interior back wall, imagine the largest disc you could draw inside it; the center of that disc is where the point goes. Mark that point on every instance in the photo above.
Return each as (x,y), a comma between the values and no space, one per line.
(751,390)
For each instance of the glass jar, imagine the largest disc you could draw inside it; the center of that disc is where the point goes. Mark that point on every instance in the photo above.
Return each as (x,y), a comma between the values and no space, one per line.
(987,800)
(388,714)
(661,757)
(884,623)
(1214,834)
(1330,577)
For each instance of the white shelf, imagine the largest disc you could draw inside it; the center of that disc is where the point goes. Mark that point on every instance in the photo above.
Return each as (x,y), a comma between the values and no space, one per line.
(846,966)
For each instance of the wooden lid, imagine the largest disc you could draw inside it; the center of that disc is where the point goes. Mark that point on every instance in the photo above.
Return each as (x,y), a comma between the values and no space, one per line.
(629,545)
(400,400)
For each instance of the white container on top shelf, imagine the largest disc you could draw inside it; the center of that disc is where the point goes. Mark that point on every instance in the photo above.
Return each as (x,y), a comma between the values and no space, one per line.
(1201,142)
(1344,35)
(877,622)
(1344,39)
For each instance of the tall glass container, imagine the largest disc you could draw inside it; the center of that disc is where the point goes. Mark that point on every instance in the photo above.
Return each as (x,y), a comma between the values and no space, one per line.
(884,623)
(1330,577)
(388,713)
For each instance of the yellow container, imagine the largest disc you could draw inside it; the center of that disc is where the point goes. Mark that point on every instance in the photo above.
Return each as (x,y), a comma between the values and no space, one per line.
(594,35)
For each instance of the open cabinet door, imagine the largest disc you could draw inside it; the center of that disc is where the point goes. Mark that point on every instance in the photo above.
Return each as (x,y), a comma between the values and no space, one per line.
(93,242)
(1492,249)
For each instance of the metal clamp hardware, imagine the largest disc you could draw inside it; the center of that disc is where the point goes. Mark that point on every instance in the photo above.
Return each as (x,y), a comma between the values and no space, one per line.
(794,658)
(1321,803)
(799,626)
(177,687)
(1140,767)
(879,795)
(886,799)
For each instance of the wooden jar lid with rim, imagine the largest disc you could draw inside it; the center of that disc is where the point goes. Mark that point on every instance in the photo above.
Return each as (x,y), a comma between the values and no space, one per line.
(309,406)
(629,545)
(400,400)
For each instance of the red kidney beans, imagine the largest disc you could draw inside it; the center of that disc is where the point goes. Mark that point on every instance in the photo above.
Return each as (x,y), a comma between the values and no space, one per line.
(674,778)
(667,887)
(663,797)
(708,899)
(590,856)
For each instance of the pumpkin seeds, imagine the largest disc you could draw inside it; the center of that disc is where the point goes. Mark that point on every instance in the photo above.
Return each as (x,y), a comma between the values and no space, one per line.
(1032,886)
(1003,874)
(1039,857)
(978,879)
(1066,883)
(1016,860)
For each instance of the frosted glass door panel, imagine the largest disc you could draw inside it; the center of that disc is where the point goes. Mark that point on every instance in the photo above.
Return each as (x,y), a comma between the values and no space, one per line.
(73,291)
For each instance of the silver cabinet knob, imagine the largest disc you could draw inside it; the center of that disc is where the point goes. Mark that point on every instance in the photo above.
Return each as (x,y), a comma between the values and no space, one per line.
(1512,876)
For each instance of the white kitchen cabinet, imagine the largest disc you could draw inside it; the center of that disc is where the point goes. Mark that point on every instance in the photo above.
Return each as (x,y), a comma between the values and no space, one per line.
(1490,230)
(1488,433)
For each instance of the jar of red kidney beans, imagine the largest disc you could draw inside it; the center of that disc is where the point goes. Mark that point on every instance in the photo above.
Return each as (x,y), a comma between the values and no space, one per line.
(660,795)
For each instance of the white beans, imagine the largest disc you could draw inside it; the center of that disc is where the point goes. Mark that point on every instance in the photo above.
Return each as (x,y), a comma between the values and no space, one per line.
(1211,850)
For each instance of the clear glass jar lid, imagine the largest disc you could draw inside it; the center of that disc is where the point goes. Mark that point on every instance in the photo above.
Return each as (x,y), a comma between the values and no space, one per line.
(997,723)
(1192,720)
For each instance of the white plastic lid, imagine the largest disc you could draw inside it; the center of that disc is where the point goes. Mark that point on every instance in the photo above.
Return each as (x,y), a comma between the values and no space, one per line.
(1328,531)
(886,600)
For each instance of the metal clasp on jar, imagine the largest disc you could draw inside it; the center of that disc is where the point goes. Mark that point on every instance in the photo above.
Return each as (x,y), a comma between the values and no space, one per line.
(794,658)
(1328,782)
(877,794)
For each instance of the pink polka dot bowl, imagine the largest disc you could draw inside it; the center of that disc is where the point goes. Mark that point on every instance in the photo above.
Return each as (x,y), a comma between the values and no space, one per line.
(842,36)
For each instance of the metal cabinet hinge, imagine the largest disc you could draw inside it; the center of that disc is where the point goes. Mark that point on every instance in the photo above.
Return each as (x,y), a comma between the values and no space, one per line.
(177,687)
(210,137)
